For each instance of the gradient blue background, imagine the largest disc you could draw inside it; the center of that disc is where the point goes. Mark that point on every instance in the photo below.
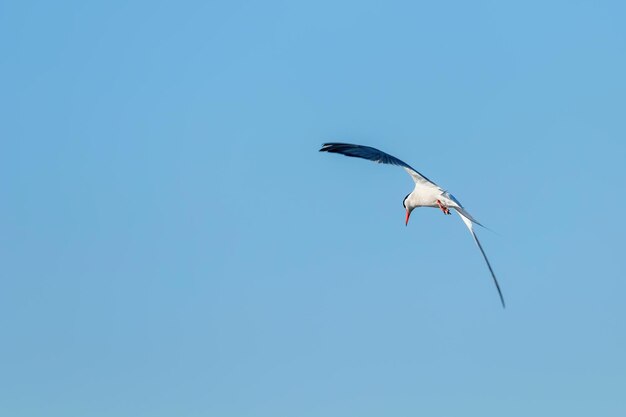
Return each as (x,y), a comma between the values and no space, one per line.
(172,243)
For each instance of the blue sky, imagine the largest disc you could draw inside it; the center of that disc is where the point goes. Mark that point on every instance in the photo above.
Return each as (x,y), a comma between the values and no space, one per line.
(172,243)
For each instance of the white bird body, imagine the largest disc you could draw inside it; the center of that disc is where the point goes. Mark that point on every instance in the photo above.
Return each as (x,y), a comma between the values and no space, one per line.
(425,194)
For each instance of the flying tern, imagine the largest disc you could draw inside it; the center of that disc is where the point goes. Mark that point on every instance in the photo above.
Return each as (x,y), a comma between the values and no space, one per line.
(425,194)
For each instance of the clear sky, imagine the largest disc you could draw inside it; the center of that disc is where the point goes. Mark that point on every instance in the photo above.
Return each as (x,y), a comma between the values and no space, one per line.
(172,243)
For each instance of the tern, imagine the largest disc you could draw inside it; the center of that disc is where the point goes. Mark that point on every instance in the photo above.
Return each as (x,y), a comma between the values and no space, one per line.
(425,194)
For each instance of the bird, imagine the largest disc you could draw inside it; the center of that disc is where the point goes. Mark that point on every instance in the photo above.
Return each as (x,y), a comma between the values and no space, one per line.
(425,194)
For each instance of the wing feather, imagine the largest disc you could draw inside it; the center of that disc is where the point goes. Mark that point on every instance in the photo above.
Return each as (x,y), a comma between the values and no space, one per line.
(468,223)
(373,154)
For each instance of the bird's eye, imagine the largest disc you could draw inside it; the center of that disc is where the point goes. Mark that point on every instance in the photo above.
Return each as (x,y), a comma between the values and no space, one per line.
(404,201)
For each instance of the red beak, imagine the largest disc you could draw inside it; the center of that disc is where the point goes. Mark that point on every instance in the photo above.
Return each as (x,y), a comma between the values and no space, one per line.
(408,213)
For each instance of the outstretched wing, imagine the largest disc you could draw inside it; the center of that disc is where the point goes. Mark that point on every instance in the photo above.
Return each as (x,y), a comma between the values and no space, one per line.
(373,154)
(468,222)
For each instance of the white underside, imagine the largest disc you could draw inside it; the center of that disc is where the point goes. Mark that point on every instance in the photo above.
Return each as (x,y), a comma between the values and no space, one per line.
(427,196)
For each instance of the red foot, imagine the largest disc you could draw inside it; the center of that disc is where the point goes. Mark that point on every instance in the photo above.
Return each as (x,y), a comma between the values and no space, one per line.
(443,208)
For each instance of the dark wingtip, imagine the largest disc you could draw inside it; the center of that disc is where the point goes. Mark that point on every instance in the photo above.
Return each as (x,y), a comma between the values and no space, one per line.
(326,147)
(334,147)
(500,294)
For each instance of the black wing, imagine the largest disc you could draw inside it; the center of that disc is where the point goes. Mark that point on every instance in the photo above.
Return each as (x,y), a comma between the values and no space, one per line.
(373,154)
